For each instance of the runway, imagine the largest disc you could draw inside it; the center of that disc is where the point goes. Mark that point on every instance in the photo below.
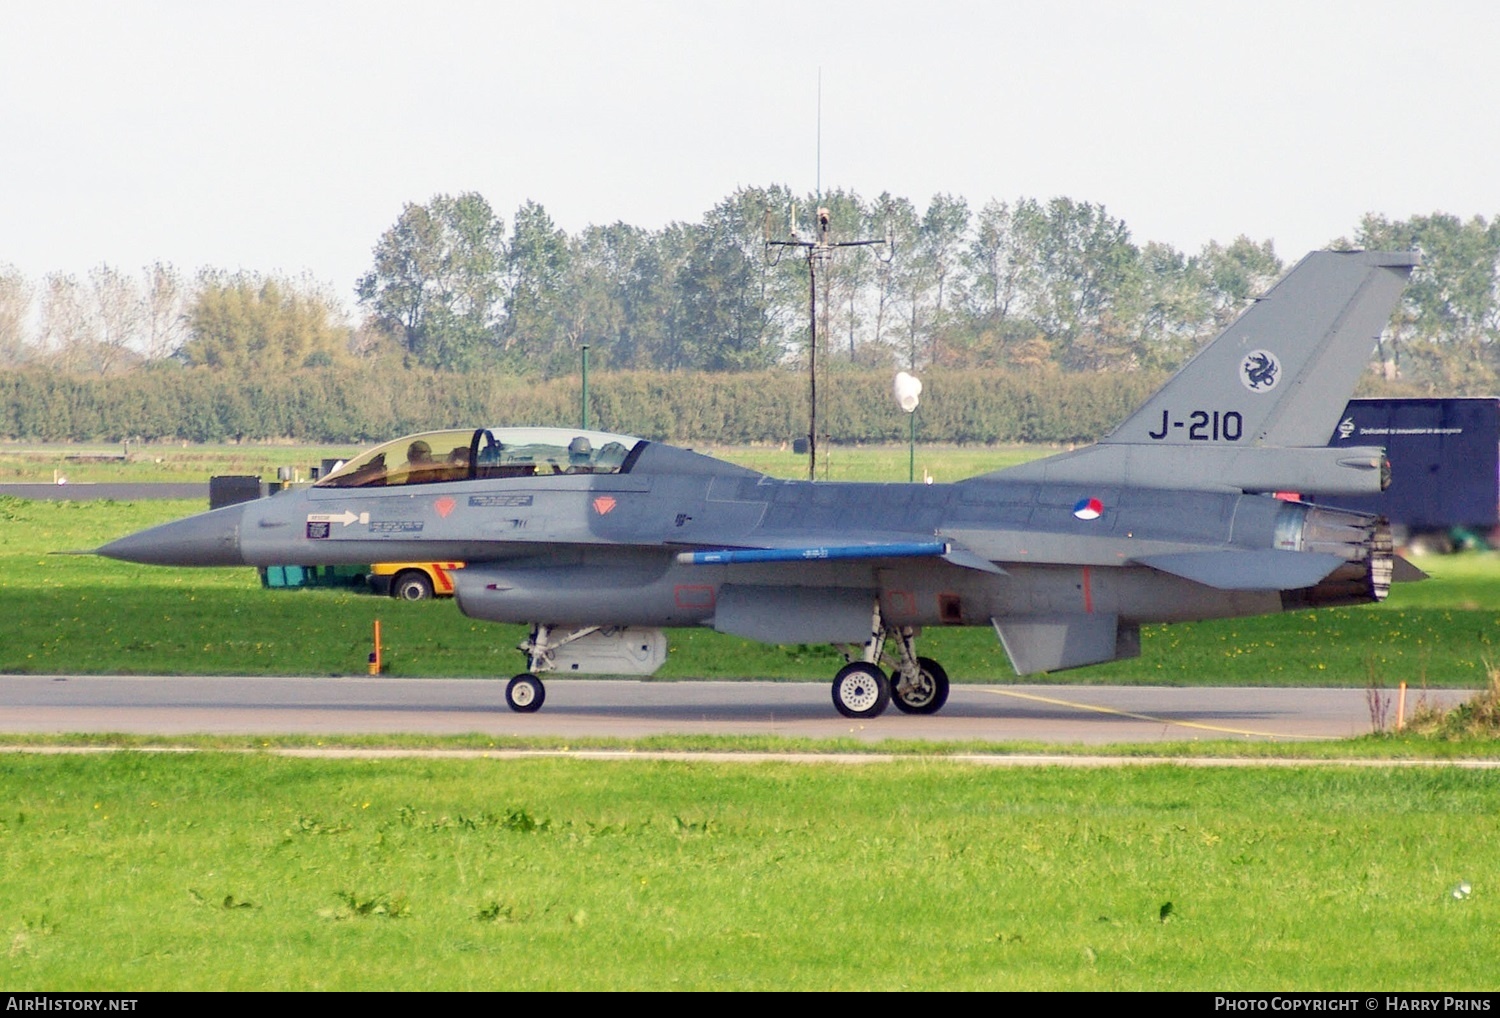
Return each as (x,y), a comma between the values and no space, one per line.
(575,708)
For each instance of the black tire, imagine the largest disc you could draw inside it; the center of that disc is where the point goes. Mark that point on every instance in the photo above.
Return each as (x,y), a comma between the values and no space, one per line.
(525,694)
(411,585)
(931,692)
(861,691)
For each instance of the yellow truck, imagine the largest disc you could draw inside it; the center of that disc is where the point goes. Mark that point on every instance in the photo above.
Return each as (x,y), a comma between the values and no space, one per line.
(413,581)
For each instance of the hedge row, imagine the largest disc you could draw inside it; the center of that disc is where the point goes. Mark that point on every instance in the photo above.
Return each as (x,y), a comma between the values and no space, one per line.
(367,404)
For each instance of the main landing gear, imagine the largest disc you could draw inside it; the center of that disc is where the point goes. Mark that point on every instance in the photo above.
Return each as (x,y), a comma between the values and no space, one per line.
(917,685)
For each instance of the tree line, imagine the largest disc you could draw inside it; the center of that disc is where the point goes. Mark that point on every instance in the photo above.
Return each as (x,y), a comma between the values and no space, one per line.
(1026,285)
(363,404)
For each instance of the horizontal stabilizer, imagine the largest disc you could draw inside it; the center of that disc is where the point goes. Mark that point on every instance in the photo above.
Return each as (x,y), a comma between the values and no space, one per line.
(1266,569)
(1054,642)
(1403,571)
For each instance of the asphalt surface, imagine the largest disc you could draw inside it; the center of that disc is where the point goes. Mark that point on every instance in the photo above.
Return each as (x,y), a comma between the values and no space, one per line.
(1080,715)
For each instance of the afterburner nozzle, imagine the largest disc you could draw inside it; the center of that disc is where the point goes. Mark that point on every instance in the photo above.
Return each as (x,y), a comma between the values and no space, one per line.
(208,539)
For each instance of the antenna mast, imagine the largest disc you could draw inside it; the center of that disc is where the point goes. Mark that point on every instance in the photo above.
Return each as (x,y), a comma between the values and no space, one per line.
(819,250)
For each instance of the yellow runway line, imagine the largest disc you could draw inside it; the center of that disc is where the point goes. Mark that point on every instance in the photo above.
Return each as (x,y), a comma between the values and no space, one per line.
(1146,717)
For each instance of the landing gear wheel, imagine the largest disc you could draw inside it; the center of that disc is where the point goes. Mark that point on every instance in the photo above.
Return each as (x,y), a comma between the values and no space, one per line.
(861,691)
(525,693)
(411,585)
(929,692)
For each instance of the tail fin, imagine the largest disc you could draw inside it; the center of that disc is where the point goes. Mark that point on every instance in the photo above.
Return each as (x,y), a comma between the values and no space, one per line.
(1254,409)
(1287,366)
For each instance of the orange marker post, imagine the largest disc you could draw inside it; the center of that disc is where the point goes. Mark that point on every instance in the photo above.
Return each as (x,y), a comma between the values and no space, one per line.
(375,655)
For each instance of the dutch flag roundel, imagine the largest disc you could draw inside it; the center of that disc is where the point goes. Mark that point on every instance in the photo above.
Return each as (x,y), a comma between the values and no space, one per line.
(1088,509)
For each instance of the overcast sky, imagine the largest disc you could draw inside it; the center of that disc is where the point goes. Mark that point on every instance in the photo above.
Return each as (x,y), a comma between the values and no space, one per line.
(286,137)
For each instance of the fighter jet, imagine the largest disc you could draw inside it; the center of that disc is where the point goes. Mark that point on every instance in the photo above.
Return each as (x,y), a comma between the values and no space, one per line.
(600,541)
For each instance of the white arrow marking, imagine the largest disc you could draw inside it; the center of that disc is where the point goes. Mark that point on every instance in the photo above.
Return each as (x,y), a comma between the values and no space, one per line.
(346,517)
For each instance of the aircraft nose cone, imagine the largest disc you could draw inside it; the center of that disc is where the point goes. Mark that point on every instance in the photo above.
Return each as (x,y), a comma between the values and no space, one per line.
(208,539)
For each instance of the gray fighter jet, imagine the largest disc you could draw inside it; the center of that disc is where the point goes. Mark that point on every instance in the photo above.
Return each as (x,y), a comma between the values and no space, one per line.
(598,541)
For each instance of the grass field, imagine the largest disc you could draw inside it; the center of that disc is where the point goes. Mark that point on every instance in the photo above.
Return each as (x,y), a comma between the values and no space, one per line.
(85,614)
(156,462)
(222,871)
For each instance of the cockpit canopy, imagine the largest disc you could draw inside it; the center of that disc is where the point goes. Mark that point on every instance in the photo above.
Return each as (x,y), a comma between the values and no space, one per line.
(466,455)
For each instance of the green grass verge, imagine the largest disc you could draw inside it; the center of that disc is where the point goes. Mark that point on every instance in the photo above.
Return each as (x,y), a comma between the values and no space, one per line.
(144,871)
(1388,746)
(87,615)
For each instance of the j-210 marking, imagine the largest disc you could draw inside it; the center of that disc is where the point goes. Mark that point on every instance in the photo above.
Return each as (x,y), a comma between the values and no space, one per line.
(1204,426)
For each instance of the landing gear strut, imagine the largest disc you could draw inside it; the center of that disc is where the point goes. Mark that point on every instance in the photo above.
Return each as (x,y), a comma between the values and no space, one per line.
(525,693)
(917,685)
